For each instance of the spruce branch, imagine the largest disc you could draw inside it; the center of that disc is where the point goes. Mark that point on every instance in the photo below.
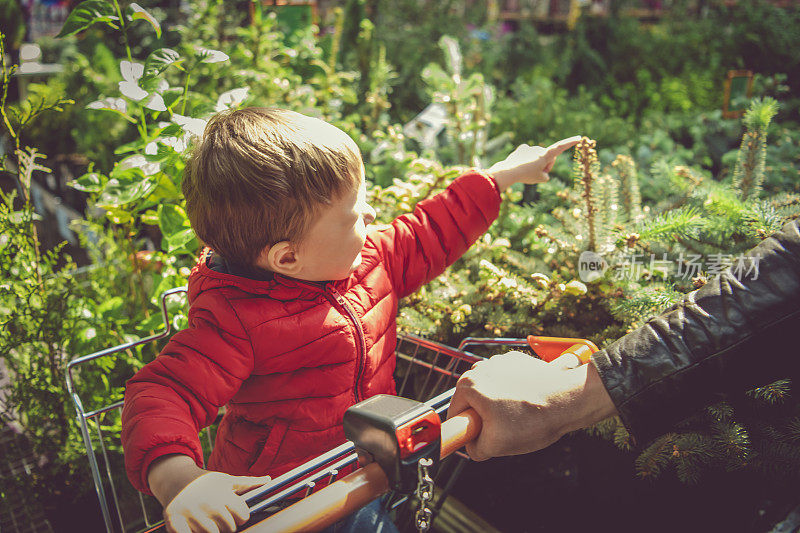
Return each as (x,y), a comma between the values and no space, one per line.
(748,174)
(608,206)
(622,438)
(630,197)
(585,169)
(606,429)
(773,393)
(720,411)
(665,227)
(656,457)
(777,459)
(690,452)
(763,219)
(645,303)
(733,442)
(793,430)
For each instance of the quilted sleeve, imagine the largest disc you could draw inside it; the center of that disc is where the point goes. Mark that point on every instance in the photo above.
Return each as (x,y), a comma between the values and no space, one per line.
(418,246)
(172,398)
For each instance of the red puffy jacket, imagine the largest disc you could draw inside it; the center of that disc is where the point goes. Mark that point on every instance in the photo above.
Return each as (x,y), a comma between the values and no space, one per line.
(288,357)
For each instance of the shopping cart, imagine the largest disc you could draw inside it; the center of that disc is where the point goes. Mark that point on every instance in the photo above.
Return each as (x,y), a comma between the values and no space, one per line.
(318,493)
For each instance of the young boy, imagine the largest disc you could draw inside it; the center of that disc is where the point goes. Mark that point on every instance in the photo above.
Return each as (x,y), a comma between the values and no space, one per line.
(293,314)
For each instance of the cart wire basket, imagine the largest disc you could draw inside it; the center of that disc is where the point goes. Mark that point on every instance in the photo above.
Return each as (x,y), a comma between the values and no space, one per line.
(426,371)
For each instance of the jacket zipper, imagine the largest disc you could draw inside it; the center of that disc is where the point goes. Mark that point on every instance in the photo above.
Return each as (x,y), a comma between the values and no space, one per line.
(329,292)
(362,343)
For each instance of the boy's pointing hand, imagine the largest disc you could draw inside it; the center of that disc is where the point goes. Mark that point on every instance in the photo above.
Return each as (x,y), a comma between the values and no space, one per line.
(529,164)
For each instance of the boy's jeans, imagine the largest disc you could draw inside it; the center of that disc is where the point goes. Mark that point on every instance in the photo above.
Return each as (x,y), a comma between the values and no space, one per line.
(372,518)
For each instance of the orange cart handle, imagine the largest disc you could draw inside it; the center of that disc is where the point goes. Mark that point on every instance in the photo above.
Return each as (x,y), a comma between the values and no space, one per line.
(550,348)
(342,498)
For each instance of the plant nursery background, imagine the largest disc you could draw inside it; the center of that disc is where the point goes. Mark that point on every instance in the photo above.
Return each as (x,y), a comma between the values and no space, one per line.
(689,111)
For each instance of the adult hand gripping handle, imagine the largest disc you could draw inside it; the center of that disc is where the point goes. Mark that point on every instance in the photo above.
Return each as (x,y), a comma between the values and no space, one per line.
(342,498)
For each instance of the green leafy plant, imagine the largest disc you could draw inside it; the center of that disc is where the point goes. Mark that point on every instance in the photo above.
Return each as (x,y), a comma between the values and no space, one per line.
(468,101)
(50,313)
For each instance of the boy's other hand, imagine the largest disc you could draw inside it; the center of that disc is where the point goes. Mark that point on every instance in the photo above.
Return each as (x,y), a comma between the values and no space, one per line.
(196,500)
(212,503)
(529,164)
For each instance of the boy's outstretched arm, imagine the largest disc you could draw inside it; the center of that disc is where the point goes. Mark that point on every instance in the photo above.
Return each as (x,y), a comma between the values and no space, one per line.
(418,246)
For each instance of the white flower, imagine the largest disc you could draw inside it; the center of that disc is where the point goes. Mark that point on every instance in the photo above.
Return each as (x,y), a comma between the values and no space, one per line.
(575,287)
(490,267)
(379,149)
(151,148)
(156,103)
(139,161)
(177,143)
(231,98)
(131,72)
(211,56)
(112,104)
(507,282)
(195,126)
(454,54)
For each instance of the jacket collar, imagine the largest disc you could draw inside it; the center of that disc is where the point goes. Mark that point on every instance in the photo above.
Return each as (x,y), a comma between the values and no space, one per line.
(216,265)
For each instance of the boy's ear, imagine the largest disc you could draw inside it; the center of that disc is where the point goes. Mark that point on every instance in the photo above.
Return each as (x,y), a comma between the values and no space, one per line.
(281,257)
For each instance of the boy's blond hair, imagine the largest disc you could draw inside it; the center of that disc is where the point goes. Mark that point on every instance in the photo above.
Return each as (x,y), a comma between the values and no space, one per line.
(258,175)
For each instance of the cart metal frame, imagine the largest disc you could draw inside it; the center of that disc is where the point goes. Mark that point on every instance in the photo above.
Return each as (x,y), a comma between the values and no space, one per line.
(426,370)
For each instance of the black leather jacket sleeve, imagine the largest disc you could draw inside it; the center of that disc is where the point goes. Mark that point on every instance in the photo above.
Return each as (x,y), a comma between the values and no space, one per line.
(730,335)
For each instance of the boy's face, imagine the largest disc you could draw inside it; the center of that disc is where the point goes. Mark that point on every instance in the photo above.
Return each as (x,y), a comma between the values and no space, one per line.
(331,249)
